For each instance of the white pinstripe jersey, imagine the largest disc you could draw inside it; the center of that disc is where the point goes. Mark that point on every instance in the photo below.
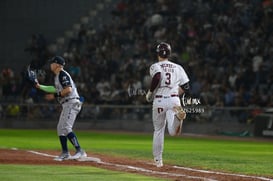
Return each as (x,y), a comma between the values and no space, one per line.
(172,76)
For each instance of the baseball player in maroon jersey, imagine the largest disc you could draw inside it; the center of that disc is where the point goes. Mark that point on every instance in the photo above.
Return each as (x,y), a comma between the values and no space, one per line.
(169,80)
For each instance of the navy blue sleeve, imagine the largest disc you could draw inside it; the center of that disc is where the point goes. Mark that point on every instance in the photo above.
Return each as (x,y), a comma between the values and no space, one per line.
(64,79)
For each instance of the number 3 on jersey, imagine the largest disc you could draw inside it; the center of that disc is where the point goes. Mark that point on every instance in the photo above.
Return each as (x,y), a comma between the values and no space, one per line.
(168,78)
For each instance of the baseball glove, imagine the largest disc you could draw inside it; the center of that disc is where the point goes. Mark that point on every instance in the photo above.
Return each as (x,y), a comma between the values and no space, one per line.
(31,76)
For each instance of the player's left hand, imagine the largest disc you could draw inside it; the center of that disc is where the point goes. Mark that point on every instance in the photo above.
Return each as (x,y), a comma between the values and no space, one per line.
(31,77)
(149,96)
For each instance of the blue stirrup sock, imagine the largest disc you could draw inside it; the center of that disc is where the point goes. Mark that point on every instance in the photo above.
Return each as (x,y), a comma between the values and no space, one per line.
(63,141)
(73,139)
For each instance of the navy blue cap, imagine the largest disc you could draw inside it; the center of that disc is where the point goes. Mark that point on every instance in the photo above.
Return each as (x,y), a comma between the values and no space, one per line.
(58,59)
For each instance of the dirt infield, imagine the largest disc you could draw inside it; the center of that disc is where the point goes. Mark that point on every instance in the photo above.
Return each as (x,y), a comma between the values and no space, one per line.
(144,167)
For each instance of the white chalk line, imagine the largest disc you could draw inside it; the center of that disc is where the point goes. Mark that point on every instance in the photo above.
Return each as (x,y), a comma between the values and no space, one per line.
(221,173)
(42,154)
(93,159)
(97,160)
(157,172)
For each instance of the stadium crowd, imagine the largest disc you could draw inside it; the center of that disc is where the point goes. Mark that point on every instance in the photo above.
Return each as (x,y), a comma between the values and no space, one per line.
(226,47)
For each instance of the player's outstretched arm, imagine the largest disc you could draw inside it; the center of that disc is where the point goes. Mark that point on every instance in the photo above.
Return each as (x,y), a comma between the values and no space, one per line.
(49,89)
(45,88)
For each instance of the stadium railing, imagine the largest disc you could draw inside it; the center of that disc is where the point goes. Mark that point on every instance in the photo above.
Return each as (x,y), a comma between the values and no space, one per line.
(237,121)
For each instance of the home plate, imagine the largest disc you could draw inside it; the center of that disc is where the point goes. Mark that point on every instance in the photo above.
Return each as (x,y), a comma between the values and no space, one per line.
(89,159)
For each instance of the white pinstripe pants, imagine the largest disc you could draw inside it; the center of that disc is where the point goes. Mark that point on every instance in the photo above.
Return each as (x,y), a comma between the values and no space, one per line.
(163,114)
(68,116)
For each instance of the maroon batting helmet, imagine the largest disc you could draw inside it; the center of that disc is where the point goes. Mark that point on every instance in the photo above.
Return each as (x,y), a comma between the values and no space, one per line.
(163,50)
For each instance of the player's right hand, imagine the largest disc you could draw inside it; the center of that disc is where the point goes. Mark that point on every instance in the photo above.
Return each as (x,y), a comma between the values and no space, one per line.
(49,97)
(37,85)
(149,96)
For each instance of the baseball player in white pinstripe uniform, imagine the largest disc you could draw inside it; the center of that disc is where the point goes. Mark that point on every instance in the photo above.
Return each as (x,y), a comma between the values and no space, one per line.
(66,93)
(169,81)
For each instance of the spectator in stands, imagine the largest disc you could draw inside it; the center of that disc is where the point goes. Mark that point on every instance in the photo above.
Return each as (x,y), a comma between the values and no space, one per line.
(77,41)
(104,89)
(230,40)
(37,49)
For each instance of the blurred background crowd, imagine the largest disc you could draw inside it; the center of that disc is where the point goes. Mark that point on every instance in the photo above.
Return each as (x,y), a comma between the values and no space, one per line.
(225,46)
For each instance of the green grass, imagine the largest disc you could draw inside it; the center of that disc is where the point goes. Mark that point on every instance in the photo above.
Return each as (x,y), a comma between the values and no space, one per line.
(234,156)
(245,157)
(69,173)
